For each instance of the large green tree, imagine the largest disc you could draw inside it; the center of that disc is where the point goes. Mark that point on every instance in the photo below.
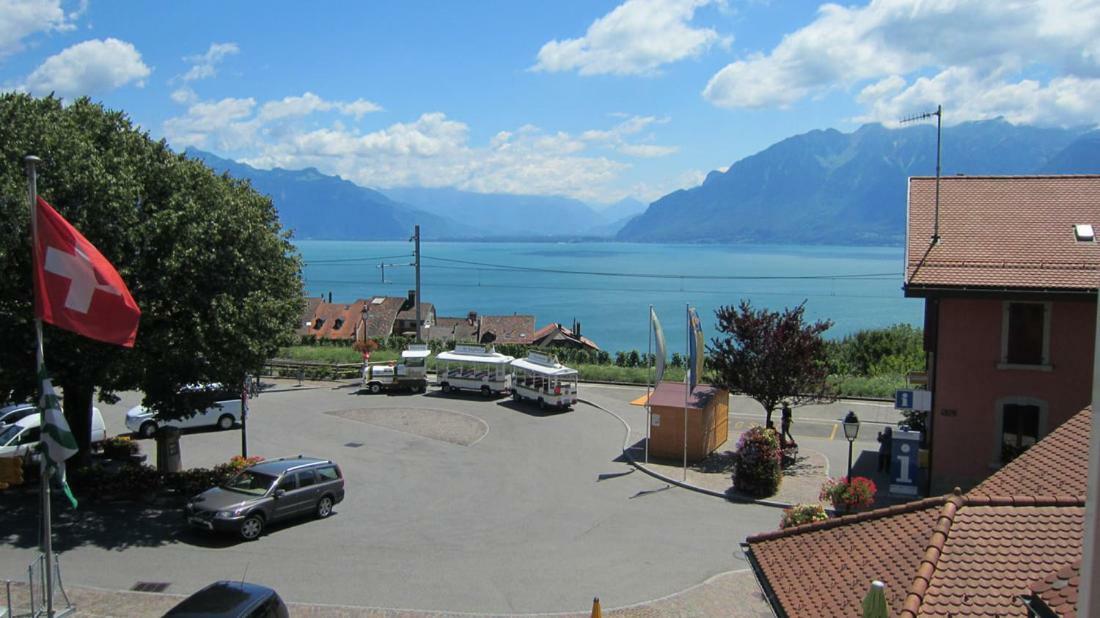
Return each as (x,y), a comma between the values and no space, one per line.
(771,356)
(217,279)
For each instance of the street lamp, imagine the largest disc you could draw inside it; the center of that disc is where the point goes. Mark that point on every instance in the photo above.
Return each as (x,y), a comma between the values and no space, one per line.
(851,431)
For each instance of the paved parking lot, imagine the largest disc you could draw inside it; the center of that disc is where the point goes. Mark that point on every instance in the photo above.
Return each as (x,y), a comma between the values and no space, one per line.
(453,503)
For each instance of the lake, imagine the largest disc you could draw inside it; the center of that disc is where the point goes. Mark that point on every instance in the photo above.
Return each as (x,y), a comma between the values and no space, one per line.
(608,287)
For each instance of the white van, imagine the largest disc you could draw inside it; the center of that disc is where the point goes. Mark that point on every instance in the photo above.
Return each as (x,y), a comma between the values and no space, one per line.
(224,414)
(18,438)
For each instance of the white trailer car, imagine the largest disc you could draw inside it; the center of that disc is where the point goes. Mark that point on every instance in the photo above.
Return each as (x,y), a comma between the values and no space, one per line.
(543,379)
(473,368)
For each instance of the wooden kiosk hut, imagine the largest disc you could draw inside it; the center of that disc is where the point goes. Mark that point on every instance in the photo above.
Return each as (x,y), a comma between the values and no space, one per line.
(707,420)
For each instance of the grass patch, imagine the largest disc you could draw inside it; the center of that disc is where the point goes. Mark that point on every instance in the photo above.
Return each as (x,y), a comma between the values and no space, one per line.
(333,354)
(867,386)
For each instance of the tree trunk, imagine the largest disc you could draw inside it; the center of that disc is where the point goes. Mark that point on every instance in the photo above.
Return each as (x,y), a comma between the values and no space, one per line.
(77,406)
(768,419)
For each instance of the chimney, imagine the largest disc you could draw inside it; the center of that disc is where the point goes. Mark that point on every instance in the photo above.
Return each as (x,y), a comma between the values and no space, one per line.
(330,298)
(471,318)
(411,302)
(576,329)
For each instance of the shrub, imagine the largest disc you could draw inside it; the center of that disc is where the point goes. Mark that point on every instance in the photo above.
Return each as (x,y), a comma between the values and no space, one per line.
(120,448)
(858,494)
(802,514)
(757,461)
(126,481)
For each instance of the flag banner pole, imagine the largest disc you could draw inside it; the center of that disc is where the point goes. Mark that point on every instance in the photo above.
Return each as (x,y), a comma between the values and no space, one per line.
(648,410)
(687,390)
(44,479)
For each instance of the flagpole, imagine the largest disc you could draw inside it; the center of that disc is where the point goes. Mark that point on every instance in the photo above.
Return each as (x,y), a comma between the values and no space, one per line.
(687,387)
(43,472)
(648,410)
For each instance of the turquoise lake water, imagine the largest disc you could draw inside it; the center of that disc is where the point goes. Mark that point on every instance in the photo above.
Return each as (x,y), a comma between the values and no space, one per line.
(855,287)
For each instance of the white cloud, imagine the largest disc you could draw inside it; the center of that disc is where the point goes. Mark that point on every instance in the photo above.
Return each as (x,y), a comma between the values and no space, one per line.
(647,150)
(637,37)
(989,49)
(309,103)
(20,19)
(88,68)
(223,124)
(205,65)
(431,150)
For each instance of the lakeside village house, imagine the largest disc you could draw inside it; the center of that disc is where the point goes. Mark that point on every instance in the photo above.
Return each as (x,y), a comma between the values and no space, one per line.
(1010,288)
(1010,292)
(380,317)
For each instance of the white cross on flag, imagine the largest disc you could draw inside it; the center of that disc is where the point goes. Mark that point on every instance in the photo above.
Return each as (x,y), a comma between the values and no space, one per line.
(76,288)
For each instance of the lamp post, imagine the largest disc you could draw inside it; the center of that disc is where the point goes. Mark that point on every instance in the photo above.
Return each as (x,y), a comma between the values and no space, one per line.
(851,431)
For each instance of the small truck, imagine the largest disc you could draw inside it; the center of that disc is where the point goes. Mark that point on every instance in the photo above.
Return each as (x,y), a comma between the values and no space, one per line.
(410,374)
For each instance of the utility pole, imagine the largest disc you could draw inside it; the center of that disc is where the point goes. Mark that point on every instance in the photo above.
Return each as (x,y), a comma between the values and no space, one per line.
(416,240)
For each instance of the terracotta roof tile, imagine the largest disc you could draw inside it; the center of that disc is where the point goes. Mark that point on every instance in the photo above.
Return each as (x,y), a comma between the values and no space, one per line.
(1058,590)
(1032,473)
(972,554)
(1003,231)
(825,569)
(508,328)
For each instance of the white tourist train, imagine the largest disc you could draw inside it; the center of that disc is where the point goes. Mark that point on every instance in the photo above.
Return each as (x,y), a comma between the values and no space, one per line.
(411,373)
(543,379)
(473,368)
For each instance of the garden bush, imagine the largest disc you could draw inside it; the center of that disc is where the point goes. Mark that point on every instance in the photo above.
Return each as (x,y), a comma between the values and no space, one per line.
(120,448)
(802,514)
(757,459)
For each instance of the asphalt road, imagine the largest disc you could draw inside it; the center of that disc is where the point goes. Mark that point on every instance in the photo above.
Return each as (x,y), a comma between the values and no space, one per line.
(539,514)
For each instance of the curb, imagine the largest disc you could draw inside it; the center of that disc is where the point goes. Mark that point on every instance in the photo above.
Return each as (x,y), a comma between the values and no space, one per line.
(657,475)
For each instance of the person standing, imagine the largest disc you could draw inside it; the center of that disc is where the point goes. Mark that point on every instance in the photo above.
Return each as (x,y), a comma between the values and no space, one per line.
(786,423)
(885,444)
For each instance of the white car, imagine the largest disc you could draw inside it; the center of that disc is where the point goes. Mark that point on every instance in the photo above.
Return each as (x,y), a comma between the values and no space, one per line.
(224,414)
(18,438)
(16,411)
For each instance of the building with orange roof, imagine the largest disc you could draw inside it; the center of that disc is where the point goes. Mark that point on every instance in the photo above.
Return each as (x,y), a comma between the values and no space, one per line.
(1010,284)
(1012,543)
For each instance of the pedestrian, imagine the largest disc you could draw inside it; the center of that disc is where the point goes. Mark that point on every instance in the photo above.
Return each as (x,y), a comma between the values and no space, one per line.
(786,424)
(885,444)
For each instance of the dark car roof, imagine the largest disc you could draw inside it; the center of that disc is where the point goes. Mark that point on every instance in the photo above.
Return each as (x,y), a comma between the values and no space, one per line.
(278,466)
(223,598)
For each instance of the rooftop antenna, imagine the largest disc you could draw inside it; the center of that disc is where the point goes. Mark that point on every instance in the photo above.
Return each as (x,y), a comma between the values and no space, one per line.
(939,124)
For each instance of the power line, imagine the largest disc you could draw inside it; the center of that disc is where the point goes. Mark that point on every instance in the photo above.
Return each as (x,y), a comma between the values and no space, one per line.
(357,259)
(505,267)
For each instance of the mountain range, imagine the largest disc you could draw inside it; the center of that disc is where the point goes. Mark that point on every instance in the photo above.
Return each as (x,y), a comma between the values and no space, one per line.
(824,187)
(830,187)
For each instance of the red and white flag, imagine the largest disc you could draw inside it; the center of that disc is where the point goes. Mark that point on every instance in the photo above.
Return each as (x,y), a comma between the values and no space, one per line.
(76,288)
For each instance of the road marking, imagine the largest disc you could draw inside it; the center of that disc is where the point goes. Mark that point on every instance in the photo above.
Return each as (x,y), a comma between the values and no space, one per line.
(833,434)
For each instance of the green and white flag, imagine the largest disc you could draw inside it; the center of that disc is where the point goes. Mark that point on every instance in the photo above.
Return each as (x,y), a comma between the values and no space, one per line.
(58,443)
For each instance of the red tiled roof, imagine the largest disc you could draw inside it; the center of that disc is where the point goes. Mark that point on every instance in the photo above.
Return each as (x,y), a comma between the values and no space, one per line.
(1032,473)
(951,555)
(1003,232)
(381,315)
(426,309)
(992,553)
(335,320)
(552,332)
(1058,591)
(508,328)
(307,314)
(825,568)
(458,329)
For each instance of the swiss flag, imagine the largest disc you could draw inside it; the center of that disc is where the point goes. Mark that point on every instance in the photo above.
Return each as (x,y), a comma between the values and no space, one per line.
(76,288)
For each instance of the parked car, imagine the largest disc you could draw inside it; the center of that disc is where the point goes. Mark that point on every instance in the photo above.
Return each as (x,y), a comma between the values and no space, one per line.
(11,413)
(224,413)
(226,599)
(272,490)
(18,438)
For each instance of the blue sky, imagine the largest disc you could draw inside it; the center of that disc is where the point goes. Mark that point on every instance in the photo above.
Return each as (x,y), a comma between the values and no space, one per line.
(592,99)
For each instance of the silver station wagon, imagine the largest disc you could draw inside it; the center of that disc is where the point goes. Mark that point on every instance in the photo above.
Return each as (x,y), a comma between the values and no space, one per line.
(267,492)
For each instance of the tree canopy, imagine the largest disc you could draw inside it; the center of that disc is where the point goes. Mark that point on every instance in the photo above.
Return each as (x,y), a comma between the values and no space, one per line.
(771,356)
(215,275)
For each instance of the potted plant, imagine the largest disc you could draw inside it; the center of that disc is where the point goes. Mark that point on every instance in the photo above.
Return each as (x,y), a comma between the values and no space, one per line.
(802,514)
(848,496)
